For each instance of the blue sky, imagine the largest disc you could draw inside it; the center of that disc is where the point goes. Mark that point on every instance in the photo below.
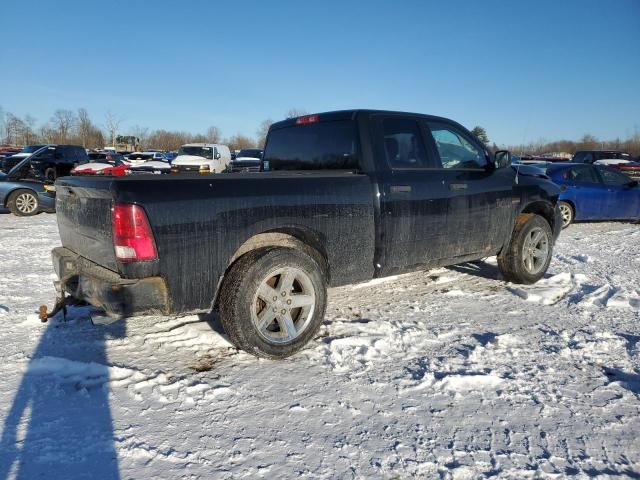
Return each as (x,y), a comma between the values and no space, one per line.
(523,70)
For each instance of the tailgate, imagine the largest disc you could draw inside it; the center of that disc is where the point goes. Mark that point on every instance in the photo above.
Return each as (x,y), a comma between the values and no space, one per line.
(83,207)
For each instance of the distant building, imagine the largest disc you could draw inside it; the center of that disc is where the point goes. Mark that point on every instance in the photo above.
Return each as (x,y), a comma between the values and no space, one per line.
(129,143)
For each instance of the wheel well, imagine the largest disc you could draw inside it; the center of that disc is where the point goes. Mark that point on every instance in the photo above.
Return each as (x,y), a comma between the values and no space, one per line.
(544,209)
(11,193)
(298,239)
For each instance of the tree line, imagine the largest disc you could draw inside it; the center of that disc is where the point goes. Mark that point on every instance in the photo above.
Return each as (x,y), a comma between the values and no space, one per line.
(78,128)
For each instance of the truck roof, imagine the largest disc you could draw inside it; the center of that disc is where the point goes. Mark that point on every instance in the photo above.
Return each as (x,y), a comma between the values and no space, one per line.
(349,115)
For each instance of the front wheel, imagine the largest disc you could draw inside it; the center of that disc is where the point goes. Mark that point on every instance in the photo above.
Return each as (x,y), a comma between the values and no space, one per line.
(273,302)
(23,203)
(527,257)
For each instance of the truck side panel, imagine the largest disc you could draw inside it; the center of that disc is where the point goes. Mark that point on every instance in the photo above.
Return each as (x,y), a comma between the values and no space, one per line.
(200,223)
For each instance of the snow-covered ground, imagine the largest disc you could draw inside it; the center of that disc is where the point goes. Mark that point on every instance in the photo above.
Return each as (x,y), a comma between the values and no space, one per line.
(450,373)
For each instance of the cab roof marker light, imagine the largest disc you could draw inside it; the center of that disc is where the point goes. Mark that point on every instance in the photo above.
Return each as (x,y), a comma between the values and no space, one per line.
(307,119)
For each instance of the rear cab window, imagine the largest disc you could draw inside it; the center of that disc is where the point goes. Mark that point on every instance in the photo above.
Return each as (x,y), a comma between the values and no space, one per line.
(315,145)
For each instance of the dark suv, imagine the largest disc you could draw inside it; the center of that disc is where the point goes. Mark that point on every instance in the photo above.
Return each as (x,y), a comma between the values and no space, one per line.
(591,156)
(56,161)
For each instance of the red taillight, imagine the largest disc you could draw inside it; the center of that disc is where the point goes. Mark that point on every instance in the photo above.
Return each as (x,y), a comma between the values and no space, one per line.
(132,237)
(307,119)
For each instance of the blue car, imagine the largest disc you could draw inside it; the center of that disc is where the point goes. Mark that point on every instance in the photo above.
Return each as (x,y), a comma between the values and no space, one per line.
(23,193)
(594,192)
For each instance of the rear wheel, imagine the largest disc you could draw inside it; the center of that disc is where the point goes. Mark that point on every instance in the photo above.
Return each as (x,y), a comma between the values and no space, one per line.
(566,210)
(527,257)
(23,203)
(273,302)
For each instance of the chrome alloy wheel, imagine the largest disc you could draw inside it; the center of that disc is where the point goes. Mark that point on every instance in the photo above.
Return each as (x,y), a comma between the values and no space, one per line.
(283,306)
(567,214)
(26,203)
(535,251)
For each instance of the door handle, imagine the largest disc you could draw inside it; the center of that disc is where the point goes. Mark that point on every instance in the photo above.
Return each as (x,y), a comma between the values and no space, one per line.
(458,186)
(400,188)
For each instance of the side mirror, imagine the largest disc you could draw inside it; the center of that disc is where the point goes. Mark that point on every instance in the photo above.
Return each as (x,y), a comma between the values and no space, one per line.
(216,156)
(502,158)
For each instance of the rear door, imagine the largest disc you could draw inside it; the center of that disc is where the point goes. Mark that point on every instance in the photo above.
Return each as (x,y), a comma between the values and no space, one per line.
(414,200)
(587,192)
(623,199)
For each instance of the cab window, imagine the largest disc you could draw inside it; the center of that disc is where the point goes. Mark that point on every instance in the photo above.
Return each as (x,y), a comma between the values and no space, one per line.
(455,149)
(403,143)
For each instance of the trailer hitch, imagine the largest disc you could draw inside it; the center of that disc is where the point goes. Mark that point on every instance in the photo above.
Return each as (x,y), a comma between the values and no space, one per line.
(61,304)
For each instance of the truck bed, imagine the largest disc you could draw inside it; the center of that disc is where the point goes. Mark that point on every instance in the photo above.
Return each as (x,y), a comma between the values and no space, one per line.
(200,221)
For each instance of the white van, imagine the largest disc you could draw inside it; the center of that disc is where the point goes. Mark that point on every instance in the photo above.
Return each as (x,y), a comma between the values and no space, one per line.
(202,158)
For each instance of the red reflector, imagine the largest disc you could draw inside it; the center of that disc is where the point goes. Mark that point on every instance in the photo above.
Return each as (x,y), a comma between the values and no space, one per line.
(307,119)
(132,236)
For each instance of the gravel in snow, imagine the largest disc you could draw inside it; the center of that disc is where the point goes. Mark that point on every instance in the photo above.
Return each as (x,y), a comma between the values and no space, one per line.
(448,373)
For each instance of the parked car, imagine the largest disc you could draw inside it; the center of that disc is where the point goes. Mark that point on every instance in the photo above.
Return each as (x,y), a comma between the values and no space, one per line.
(102,163)
(50,163)
(202,158)
(350,196)
(151,166)
(24,194)
(10,161)
(592,156)
(157,156)
(248,160)
(8,152)
(138,158)
(595,192)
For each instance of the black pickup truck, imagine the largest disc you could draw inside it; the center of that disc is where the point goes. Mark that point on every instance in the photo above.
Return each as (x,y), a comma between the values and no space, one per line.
(343,197)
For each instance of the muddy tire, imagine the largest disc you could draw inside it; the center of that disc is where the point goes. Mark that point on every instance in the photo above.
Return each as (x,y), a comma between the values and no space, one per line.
(273,301)
(527,257)
(567,212)
(23,203)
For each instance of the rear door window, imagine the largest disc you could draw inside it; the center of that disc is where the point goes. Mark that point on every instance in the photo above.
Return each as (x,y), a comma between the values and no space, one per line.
(611,177)
(403,143)
(582,174)
(314,146)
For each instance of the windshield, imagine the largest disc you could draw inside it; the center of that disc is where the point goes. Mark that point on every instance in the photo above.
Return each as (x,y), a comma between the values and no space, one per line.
(206,152)
(250,153)
(141,156)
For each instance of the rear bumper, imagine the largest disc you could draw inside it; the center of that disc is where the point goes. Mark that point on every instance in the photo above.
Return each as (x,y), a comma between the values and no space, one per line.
(103,288)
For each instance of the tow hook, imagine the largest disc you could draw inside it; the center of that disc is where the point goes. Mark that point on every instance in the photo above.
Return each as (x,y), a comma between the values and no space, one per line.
(61,304)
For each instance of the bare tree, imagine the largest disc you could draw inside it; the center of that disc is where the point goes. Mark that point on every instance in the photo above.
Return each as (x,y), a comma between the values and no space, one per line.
(213,134)
(28,130)
(84,126)
(296,112)
(239,141)
(63,121)
(14,128)
(113,123)
(262,132)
